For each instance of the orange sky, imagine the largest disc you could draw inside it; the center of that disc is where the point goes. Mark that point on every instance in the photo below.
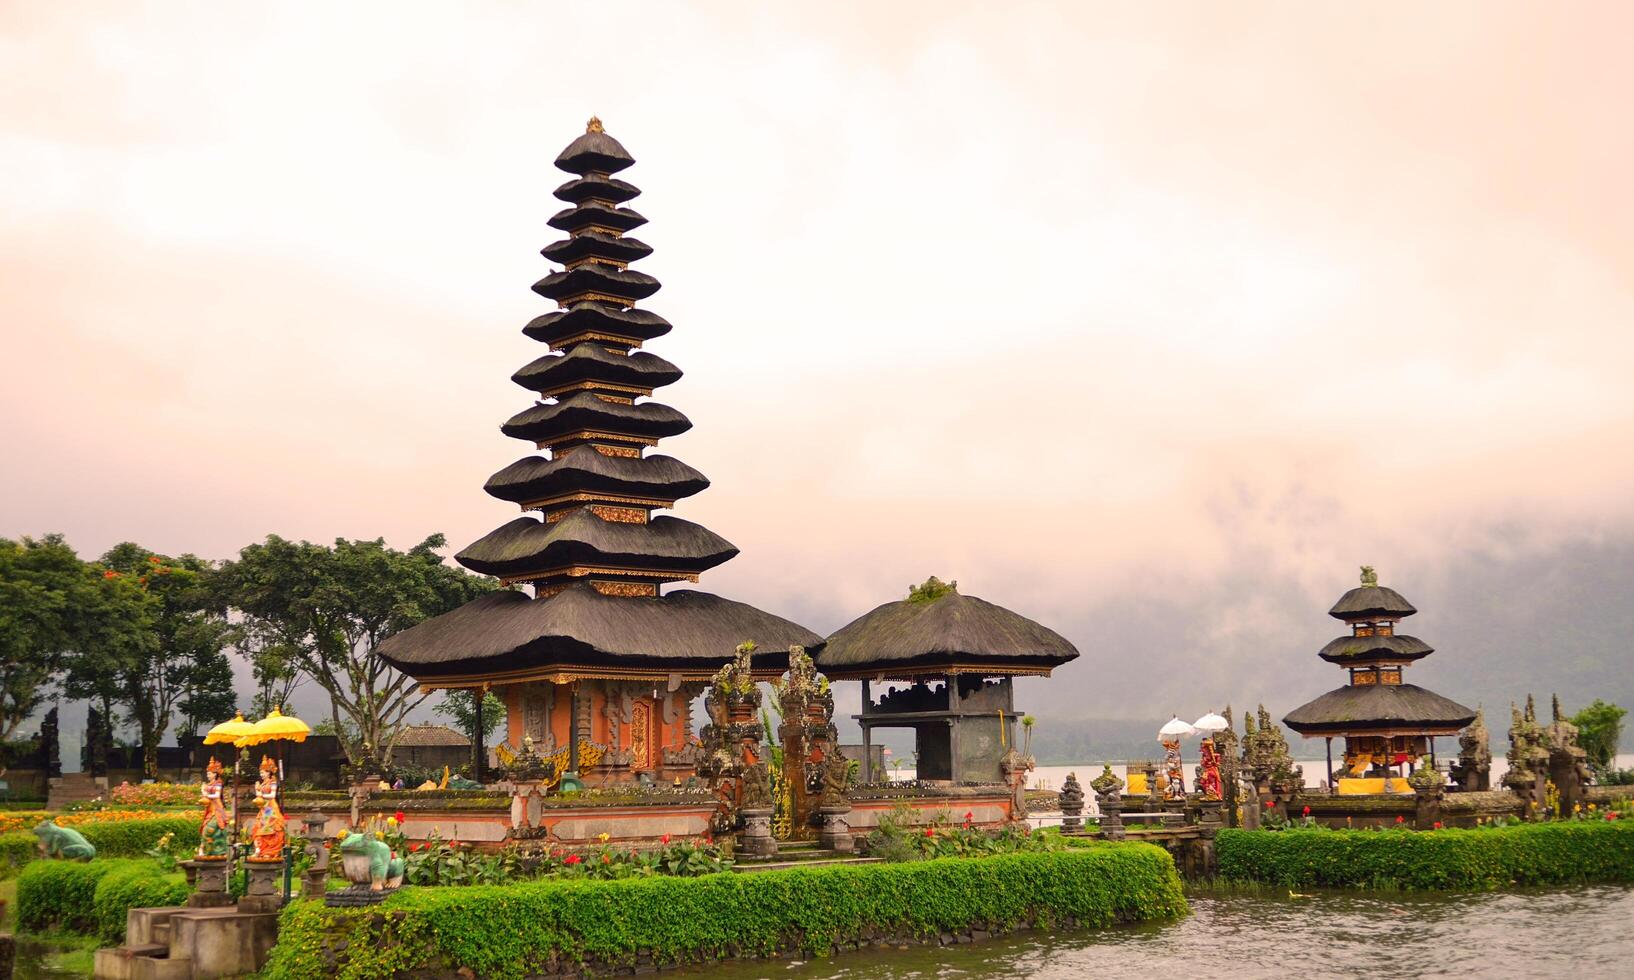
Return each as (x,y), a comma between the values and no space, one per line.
(1067,302)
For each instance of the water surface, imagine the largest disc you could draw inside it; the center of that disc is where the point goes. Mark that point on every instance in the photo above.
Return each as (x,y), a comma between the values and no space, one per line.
(1579,932)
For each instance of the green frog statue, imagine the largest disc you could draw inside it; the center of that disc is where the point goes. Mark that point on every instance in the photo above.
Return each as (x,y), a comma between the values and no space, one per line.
(61,842)
(385,869)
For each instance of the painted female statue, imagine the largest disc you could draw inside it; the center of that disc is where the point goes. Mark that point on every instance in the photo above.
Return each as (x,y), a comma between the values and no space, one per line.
(268,829)
(214,840)
(1175,786)
(1210,782)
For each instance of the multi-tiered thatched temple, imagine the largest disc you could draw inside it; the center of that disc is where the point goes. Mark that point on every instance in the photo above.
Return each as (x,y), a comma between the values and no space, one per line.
(598,660)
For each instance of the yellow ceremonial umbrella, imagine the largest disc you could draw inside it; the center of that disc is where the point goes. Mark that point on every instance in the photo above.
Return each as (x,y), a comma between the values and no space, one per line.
(276,727)
(228,733)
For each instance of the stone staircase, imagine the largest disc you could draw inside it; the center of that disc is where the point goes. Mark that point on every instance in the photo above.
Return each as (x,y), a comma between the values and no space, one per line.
(189,944)
(72,787)
(800,854)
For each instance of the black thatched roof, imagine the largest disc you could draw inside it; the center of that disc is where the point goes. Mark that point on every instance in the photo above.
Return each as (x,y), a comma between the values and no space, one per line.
(1362,649)
(581,538)
(590,361)
(576,412)
(598,245)
(1371,602)
(582,468)
(598,278)
(600,188)
(951,631)
(507,633)
(601,318)
(1379,708)
(594,152)
(600,215)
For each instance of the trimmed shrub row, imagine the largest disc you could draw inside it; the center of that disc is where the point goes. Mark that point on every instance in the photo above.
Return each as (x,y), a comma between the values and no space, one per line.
(128,838)
(508,932)
(93,896)
(1565,853)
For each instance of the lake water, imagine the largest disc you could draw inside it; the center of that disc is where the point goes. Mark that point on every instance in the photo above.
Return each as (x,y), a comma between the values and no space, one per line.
(1580,932)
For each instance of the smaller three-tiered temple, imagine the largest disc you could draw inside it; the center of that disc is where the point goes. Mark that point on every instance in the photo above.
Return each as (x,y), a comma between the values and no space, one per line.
(1385,723)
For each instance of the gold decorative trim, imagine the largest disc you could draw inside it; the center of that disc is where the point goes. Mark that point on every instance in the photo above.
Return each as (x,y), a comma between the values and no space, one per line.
(614,399)
(599,260)
(631,590)
(582,571)
(598,337)
(560,390)
(591,435)
(587,497)
(628,452)
(591,296)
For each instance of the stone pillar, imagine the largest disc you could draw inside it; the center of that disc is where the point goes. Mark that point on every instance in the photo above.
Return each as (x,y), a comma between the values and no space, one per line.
(756,837)
(1428,788)
(1109,798)
(316,879)
(836,831)
(209,884)
(1072,805)
(264,891)
(1154,796)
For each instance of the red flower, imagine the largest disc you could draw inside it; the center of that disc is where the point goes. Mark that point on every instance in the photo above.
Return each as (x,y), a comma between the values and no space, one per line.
(930,831)
(1400,818)
(969,815)
(572,859)
(1270,803)
(664,839)
(400,817)
(1307,811)
(1437,825)
(709,838)
(605,859)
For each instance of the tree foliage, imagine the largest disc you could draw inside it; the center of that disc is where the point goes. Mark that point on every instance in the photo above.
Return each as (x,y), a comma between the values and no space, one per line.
(456,706)
(42,584)
(322,611)
(1599,729)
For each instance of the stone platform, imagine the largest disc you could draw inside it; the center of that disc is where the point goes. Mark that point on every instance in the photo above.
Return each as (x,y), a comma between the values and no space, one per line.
(181,943)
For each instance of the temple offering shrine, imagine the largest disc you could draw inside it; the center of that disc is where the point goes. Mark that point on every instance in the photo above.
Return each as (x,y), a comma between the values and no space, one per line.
(957,655)
(1387,725)
(598,667)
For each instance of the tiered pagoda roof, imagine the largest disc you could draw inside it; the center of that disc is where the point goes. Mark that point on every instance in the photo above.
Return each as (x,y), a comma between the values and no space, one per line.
(595,555)
(1376,701)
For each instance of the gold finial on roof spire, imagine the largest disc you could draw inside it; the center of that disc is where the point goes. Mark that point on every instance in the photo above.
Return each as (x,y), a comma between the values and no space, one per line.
(593,126)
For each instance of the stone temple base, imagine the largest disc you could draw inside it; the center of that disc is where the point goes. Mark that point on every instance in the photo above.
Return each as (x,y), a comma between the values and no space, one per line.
(189,944)
(357,895)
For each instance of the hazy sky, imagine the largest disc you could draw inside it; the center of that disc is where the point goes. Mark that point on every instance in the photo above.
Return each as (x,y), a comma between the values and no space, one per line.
(1150,321)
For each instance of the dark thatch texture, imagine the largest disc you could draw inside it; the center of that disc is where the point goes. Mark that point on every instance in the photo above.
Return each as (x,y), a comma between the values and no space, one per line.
(599,278)
(508,632)
(638,325)
(596,245)
(1371,602)
(595,151)
(1361,649)
(582,189)
(591,361)
(583,469)
(1399,708)
(542,423)
(422,736)
(952,630)
(619,219)
(581,538)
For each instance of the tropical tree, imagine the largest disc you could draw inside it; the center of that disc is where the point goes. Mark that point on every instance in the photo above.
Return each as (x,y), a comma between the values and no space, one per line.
(457,707)
(115,646)
(329,607)
(1599,729)
(42,586)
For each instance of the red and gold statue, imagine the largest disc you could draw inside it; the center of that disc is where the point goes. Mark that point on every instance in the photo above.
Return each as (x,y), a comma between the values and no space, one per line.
(267,832)
(214,837)
(1210,777)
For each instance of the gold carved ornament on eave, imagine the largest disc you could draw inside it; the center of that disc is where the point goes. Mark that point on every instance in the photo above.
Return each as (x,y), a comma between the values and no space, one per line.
(583,571)
(587,497)
(599,337)
(593,435)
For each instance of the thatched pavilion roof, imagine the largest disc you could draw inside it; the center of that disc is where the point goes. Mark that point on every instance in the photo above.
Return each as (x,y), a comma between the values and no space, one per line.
(947,633)
(1379,709)
(579,632)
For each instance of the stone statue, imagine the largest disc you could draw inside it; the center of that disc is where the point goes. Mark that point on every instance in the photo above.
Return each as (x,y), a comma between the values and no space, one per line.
(1528,759)
(367,859)
(1208,771)
(1174,787)
(267,830)
(1071,800)
(63,842)
(1472,772)
(757,787)
(836,774)
(1568,762)
(215,827)
(1370,578)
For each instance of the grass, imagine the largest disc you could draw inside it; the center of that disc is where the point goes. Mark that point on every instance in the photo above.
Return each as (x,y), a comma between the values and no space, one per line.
(8,904)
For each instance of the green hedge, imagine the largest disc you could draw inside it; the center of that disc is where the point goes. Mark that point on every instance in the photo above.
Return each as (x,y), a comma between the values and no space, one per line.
(507,932)
(93,896)
(1450,859)
(128,838)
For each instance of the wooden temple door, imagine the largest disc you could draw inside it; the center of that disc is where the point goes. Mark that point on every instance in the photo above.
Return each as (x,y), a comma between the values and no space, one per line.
(644,736)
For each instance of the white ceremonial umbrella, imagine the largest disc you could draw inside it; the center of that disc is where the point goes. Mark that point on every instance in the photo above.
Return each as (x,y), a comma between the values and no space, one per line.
(1211,723)
(1174,728)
